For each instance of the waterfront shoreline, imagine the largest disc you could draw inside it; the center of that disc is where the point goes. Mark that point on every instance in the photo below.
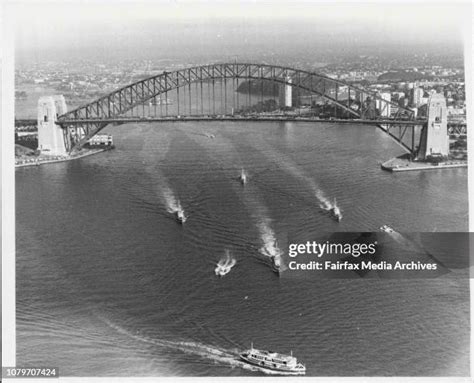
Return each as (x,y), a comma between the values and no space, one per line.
(45,161)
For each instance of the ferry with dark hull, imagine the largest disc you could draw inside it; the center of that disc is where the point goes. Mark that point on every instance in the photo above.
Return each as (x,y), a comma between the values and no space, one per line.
(269,360)
(276,264)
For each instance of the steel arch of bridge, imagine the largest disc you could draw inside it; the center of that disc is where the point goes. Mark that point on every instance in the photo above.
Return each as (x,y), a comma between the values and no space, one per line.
(95,115)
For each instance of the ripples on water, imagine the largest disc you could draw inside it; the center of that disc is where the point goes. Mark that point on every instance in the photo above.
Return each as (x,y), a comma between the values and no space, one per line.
(110,284)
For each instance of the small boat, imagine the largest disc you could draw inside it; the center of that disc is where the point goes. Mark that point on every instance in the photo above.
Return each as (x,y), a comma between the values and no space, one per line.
(276,259)
(224,266)
(181,217)
(276,264)
(221,270)
(243,177)
(386,229)
(336,211)
(269,360)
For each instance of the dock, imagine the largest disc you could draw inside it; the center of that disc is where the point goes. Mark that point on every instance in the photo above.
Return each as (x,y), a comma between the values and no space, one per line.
(404,164)
(43,160)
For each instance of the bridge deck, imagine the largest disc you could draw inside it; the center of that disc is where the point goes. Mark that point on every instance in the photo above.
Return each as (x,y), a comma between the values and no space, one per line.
(122,120)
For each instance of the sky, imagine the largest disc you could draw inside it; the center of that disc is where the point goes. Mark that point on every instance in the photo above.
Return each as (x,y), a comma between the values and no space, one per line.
(183,28)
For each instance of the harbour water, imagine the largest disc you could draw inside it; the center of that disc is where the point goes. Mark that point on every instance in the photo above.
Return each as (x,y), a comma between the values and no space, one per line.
(109,284)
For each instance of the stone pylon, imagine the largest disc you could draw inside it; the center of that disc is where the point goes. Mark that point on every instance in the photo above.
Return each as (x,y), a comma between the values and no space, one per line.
(52,139)
(434,139)
(286,93)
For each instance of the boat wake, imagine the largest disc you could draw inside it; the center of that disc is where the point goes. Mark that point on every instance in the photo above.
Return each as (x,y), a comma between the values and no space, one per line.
(404,241)
(173,205)
(270,246)
(229,157)
(332,208)
(225,264)
(201,133)
(229,357)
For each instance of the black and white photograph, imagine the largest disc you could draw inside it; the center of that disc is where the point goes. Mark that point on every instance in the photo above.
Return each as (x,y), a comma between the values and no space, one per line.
(237,189)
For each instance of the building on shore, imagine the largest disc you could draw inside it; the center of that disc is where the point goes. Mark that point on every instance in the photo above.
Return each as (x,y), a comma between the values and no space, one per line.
(384,107)
(101,140)
(417,97)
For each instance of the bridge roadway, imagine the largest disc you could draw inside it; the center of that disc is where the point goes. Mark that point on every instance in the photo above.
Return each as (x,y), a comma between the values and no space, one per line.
(389,126)
(123,120)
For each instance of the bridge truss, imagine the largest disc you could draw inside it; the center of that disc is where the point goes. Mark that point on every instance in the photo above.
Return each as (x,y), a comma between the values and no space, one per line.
(204,91)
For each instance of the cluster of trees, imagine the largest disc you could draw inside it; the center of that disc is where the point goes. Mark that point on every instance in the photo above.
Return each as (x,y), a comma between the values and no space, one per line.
(260,107)
(257,87)
(20,95)
(29,141)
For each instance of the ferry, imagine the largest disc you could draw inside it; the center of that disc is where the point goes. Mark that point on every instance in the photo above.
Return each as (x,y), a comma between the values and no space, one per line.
(269,360)
(387,229)
(181,217)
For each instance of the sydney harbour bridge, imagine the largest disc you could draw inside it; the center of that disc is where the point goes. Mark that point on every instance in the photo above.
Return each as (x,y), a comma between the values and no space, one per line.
(214,92)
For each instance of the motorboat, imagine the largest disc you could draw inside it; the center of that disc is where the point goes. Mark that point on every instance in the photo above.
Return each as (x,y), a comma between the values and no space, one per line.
(386,229)
(277,263)
(181,218)
(225,265)
(336,211)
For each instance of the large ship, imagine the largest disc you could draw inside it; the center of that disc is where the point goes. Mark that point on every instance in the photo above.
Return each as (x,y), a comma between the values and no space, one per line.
(269,360)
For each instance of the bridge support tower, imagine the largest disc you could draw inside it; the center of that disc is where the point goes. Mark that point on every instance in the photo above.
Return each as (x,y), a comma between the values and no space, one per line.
(52,139)
(286,94)
(434,140)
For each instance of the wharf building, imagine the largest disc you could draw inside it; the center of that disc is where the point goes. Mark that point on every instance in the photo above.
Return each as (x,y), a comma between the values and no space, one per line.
(101,140)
